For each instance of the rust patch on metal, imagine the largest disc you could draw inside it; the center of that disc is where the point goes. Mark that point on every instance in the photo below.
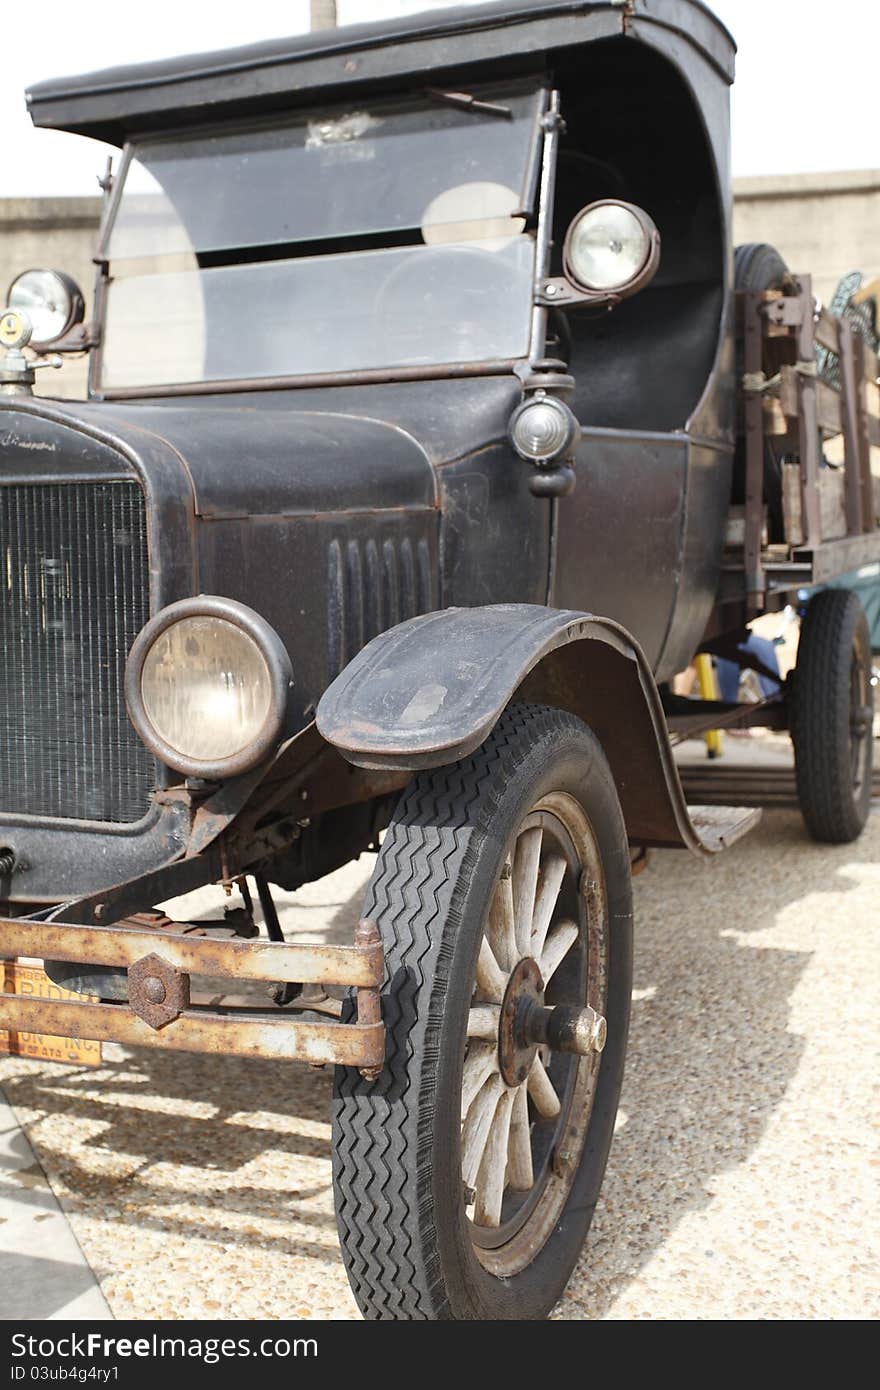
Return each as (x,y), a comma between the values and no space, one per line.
(236,958)
(369,1004)
(157,992)
(200,1030)
(160,1014)
(516,1046)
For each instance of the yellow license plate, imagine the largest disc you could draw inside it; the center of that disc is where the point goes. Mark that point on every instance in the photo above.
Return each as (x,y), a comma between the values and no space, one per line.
(32,980)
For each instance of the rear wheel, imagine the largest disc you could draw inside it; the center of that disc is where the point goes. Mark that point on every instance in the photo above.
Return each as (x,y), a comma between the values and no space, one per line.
(467,1175)
(759,266)
(832,717)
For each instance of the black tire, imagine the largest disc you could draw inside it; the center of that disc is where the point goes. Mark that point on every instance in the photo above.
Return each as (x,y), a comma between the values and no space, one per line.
(758,266)
(832,715)
(407,1242)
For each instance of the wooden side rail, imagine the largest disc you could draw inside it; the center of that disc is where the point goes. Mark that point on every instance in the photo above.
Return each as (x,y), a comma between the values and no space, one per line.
(812,421)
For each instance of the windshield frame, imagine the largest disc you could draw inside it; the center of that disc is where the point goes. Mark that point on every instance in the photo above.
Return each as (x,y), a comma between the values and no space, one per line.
(531,195)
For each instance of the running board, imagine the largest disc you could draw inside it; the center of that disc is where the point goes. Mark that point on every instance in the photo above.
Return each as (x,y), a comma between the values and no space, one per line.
(719,827)
(738,785)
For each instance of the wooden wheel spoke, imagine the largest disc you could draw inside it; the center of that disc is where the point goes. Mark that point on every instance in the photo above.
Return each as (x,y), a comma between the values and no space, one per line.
(525,882)
(557,946)
(520,1173)
(542,1092)
(500,928)
(492,1175)
(483,1021)
(480,1063)
(491,980)
(552,874)
(475,1134)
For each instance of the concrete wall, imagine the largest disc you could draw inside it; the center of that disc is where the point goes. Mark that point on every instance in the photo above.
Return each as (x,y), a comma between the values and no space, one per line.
(56,232)
(826,224)
(823,223)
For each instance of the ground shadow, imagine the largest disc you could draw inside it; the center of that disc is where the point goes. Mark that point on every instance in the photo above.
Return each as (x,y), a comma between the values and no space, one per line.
(697,1098)
(36,1288)
(710,1054)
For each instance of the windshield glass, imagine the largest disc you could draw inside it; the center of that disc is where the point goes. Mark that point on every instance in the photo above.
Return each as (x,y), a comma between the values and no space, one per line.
(393,234)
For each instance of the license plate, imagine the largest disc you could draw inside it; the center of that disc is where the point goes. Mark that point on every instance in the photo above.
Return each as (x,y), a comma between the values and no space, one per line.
(33,981)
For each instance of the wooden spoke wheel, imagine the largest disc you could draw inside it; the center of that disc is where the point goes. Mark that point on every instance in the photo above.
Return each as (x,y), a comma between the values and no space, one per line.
(467,1174)
(536,1031)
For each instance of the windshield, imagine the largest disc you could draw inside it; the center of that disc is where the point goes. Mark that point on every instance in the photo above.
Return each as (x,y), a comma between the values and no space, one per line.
(394,234)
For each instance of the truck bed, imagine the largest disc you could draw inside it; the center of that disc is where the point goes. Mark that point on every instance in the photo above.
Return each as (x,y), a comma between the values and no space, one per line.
(808,446)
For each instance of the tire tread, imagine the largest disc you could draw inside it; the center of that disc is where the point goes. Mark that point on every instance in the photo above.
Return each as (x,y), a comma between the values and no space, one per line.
(820,717)
(382,1171)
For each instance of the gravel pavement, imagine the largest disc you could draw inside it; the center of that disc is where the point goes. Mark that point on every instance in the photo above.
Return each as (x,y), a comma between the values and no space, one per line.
(743,1178)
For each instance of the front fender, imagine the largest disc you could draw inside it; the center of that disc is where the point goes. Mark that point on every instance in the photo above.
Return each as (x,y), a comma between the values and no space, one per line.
(429,691)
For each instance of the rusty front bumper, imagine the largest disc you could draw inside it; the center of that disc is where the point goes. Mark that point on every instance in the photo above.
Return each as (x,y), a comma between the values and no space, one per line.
(159,1012)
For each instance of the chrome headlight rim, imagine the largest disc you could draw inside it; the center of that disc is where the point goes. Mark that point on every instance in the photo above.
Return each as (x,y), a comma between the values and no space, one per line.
(640,277)
(75,304)
(273,652)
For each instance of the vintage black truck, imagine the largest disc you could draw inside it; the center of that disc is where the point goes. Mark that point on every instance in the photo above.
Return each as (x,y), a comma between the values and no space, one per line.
(426,441)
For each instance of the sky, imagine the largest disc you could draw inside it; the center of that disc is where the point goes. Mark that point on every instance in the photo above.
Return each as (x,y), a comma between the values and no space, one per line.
(775,129)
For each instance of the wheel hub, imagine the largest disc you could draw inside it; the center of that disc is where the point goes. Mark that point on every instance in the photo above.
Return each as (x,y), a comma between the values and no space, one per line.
(524,1025)
(516,1046)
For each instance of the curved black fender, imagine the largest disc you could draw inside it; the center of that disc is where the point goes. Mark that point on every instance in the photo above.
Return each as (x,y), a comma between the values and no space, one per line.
(428,691)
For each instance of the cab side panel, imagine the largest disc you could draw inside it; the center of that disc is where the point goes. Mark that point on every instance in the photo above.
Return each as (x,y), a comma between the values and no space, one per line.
(620,532)
(495,534)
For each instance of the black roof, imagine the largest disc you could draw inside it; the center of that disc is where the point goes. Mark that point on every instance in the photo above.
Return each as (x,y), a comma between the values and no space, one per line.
(115,102)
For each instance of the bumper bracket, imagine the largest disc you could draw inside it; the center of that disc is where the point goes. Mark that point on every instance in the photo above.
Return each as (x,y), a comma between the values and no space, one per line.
(163,961)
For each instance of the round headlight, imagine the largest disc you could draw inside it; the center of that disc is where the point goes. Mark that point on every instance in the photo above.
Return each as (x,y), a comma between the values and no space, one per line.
(542,428)
(207,686)
(52,301)
(611,246)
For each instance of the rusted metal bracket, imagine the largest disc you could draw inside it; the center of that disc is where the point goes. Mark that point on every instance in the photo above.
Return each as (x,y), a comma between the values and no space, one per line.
(860,353)
(159,1011)
(754,423)
(808,423)
(771,713)
(784,310)
(120,900)
(369,1003)
(558,293)
(275,1037)
(235,958)
(157,991)
(852,443)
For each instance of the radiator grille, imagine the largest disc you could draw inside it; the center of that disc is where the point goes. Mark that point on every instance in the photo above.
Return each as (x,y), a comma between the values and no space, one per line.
(73,596)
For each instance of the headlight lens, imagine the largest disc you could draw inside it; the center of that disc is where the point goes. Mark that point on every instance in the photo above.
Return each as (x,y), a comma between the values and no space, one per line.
(206,688)
(608,246)
(542,428)
(51,300)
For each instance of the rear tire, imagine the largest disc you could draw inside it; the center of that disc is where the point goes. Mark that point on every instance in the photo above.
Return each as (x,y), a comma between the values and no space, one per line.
(758,266)
(464,839)
(832,717)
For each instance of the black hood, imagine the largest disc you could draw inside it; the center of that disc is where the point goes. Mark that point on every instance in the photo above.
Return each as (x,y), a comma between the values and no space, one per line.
(237,462)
